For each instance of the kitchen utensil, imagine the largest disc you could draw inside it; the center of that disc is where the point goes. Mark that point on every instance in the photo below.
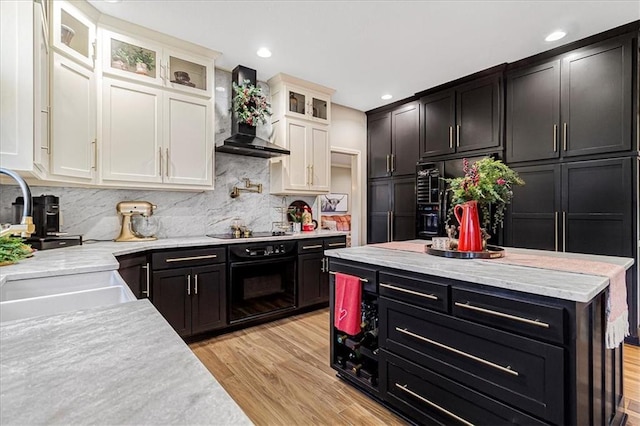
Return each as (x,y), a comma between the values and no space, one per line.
(129,209)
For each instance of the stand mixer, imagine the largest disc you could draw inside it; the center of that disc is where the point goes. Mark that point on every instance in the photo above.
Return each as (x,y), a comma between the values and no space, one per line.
(128,209)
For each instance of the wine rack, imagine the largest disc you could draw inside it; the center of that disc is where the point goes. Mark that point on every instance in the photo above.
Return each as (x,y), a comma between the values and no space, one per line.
(356,356)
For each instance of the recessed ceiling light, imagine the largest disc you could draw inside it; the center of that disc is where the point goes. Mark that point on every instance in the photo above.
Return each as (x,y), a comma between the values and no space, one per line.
(556,35)
(220,89)
(263,52)
(386,97)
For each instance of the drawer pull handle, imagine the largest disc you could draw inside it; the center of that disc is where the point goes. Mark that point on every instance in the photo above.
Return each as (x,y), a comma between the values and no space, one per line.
(459,352)
(364,280)
(183,259)
(436,406)
(404,290)
(337,244)
(502,315)
(311,247)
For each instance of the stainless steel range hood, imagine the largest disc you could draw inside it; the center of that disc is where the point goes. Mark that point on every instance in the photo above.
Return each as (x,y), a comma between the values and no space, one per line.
(243,140)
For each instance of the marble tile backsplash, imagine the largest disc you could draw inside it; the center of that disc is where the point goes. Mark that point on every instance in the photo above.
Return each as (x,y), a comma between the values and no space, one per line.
(92,212)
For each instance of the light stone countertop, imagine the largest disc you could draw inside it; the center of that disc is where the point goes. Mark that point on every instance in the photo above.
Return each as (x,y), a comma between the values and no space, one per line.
(563,285)
(121,364)
(100,256)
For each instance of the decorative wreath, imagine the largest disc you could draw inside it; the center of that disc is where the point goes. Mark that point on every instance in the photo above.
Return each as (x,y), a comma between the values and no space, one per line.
(250,104)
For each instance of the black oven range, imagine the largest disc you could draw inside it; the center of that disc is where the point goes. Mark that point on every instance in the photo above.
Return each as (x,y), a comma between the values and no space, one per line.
(261,279)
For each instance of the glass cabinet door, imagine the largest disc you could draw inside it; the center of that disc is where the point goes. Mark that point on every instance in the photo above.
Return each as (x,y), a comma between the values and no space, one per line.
(73,33)
(130,58)
(188,73)
(320,108)
(297,102)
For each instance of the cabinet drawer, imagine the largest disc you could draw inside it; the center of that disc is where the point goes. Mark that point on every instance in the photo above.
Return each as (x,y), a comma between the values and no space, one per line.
(534,320)
(311,246)
(524,373)
(335,242)
(368,276)
(420,292)
(430,398)
(191,257)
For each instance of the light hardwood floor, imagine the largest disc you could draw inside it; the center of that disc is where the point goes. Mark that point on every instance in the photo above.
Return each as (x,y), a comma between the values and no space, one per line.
(279,374)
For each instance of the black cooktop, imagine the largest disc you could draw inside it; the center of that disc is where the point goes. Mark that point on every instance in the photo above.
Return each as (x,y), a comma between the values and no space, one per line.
(242,237)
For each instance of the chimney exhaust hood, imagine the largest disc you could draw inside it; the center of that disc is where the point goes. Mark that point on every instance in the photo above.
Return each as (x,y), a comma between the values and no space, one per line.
(243,140)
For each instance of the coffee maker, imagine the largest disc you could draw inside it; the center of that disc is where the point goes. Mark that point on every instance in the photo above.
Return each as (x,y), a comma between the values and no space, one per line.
(46,218)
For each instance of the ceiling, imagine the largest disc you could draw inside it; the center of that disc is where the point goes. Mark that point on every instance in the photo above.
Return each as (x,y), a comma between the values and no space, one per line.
(364,49)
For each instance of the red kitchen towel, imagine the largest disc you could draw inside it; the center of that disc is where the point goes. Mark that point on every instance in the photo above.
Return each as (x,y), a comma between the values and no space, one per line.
(347,315)
(617,309)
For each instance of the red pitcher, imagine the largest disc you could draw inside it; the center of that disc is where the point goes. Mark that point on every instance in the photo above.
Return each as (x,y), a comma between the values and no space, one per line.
(470,236)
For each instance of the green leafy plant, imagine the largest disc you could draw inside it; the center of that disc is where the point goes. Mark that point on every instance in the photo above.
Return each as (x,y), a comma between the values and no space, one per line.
(295,214)
(12,249)
(132,55)
(490,183)
(250,104)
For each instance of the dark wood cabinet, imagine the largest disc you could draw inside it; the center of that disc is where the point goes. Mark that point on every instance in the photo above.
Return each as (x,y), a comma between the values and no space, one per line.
(577,105)
(596,98)
(393,141)
(313,270)
(533,113)
(134,270)
(191,298)
(465,118)
(582,207)
(392,212)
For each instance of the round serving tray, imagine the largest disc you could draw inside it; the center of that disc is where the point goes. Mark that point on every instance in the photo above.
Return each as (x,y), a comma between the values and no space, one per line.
(492,252)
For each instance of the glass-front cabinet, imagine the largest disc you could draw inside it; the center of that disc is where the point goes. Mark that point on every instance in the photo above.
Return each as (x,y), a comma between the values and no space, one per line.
(139,60)
(303,103)
(73,33)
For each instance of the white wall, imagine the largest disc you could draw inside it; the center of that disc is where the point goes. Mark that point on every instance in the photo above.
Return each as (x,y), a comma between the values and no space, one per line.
(341,182)
(349,131)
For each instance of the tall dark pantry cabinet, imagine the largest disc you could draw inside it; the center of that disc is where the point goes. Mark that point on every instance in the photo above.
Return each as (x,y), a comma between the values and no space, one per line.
(393,143)
(571,133)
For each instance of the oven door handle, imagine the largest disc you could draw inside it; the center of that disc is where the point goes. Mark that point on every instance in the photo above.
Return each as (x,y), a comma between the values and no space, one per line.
(262,261)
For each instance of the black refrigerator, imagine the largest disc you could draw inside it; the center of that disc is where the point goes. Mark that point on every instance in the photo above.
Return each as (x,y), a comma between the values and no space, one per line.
(433,201)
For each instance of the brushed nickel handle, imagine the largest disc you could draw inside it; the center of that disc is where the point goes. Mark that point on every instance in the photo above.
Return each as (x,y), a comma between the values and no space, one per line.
(189,285)
(312,174)
(457,135)
(94,145)
(459,352)
(391,226)
(436,406)
(388,166)
(182,259)
(393,163)
(451,137)
(404,290)
(160,160)
(535,322)
(388,226)
(146,268)
(311,247)
(564,136)
(337,244)
(167,160)
(322,267)
(564,231)
(95,50)
(555,222)
(195,284)
(555,138)
(364,280)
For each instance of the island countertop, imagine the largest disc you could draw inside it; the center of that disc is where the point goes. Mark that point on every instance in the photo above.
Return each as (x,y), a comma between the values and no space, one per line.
(545,282)
(120,364)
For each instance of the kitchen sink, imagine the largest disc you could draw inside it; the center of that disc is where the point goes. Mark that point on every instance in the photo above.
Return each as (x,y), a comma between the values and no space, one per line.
(64,293)
(47,286)
(65,302)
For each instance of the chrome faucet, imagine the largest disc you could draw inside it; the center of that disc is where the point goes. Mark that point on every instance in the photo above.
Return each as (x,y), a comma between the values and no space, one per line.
(26,226)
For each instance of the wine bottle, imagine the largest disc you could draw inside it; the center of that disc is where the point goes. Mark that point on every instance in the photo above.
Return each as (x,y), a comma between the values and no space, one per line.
(342,338)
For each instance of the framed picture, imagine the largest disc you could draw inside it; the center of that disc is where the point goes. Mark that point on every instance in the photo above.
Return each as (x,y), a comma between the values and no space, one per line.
(334,203)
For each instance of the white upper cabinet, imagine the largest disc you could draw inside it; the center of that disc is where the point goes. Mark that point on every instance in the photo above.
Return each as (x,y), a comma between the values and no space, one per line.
(73,33)
(188,140)
(41,89)
(74,143)
(131,132)
(147,62)
(301,117)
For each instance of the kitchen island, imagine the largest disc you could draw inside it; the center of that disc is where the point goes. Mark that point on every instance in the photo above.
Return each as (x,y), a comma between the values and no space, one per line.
(480,341)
